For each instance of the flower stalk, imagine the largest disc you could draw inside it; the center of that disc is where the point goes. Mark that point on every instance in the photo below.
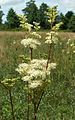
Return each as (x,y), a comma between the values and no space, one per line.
(31,53)
(35,108)
(28,102)
(11,103)
(49,55)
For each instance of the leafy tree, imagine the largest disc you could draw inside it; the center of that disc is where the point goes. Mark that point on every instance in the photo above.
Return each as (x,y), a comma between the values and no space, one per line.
(65,19)
(71,24)
(31,11)
(69,15)
(1,15)
(43,17)
(12,19)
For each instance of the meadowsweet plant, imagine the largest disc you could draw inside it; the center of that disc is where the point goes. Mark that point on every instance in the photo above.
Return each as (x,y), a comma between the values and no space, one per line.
(33,41)
(36,73)
(52,14)
(52,36)
(37,77)
(70,46)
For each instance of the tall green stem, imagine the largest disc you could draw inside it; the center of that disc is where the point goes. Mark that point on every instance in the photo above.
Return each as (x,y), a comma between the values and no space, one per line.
(31,53)
(11,103)
(35,108)
(28,103)
(49,55)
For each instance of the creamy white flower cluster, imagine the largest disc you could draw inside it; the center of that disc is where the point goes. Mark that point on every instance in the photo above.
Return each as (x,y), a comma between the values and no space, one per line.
(52,37)
(71,46)
(35,72)
(30,42)
(36,35)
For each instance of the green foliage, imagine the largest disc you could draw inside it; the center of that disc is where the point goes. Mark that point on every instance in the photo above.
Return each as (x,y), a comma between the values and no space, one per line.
(31,11)
(35,14)
(69,14)
(65,19)
(43,19)
(71,25)
(58,101)
(12,19)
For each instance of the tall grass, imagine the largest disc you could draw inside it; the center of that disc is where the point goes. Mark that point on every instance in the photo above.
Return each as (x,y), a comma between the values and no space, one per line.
(58,102)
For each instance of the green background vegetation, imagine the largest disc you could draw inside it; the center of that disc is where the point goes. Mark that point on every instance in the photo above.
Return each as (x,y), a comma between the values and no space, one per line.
(33,13)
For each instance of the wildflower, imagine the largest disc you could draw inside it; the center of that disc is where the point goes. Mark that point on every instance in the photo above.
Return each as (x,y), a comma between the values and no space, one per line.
(28,26)
(52,65)
(35,84)
(68,41)
(52,37)
(35,71)
(48,41)
(31,43)
(22,68)
(35,74)
(72,44)
(26,78)
(36,35)
(74,51)
(39,64)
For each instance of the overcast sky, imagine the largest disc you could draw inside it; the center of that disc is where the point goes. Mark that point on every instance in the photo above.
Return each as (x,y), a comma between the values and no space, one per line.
(18,5)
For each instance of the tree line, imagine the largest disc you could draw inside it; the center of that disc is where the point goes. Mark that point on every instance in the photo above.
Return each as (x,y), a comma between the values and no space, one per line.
(35,14)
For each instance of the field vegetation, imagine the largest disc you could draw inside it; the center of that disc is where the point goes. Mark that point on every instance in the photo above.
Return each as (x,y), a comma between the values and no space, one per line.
(58,101)
(37,72)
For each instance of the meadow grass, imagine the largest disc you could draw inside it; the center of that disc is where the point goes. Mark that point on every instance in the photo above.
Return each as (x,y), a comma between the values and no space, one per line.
(58,102)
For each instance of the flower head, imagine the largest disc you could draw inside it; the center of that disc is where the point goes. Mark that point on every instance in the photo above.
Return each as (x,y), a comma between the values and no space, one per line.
(36,35)
(35,70)
(35,84)
(29,42)
(22,68)
(52,37)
